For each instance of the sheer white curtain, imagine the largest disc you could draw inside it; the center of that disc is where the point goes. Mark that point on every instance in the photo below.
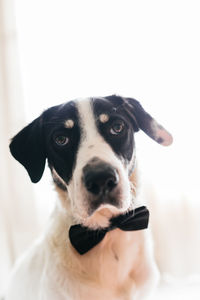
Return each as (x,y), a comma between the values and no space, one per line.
(18,222)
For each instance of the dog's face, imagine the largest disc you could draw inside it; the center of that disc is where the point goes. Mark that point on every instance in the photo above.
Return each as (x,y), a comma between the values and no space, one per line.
(90,148)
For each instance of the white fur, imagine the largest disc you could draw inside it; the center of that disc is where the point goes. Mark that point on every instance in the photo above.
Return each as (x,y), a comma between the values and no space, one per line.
(121,267)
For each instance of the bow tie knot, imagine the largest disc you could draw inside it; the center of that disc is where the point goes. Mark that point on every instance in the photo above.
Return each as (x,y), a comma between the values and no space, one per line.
(83,239)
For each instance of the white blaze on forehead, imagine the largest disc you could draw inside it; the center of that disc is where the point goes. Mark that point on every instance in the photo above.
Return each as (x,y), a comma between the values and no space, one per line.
(103,118)
(92,143)
(87,119)
(69,123)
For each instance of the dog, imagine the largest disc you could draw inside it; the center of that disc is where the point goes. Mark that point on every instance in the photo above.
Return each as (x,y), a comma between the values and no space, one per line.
(90,148)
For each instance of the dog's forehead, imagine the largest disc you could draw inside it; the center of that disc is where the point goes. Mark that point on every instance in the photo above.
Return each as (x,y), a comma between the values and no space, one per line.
(69,112)
(97,109)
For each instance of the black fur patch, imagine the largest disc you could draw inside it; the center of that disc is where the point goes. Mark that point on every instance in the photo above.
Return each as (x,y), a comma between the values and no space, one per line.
(36,143)
(62,158)
(123,143)
(28,148)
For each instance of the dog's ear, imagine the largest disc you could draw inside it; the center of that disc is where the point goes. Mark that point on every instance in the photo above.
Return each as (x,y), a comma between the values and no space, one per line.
(144,121)
(28,148)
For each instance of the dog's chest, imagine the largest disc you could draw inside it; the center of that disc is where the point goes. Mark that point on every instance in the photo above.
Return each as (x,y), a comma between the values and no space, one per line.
(108,270)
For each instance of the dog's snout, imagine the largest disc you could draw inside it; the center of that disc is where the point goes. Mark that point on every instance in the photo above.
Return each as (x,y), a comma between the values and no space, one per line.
(100,178)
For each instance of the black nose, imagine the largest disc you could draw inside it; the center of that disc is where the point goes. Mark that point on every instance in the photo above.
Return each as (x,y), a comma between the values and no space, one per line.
(100,178)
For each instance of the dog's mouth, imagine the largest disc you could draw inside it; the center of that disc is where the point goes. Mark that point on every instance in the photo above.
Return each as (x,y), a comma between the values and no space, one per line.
(101,208)
(112,202)
(100,217)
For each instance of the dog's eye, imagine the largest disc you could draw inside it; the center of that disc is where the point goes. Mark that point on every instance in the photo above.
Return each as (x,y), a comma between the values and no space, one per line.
(117,127)
(61,140)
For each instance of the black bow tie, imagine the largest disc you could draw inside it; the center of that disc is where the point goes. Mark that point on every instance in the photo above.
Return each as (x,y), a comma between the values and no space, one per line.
(83,239)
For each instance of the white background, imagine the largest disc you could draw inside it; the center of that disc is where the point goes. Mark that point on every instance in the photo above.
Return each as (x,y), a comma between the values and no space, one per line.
(148,50)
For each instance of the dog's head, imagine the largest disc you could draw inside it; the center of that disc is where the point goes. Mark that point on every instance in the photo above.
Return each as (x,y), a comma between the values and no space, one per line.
(90,148)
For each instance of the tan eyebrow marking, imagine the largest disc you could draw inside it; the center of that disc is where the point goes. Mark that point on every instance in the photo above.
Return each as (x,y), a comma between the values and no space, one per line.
(69,123)
(103,118)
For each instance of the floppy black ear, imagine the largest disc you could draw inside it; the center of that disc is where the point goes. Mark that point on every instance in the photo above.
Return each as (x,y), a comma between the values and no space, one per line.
(145,122)
(28,148)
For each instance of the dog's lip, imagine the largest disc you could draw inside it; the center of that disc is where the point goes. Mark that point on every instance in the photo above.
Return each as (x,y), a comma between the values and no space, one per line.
(104,206)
